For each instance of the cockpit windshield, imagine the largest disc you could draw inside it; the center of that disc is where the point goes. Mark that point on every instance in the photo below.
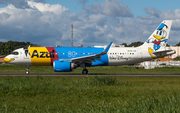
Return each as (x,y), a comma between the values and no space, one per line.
(14,53)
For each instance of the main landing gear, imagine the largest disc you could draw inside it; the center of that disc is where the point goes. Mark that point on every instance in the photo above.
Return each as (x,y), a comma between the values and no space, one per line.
(27,70)
(84,71)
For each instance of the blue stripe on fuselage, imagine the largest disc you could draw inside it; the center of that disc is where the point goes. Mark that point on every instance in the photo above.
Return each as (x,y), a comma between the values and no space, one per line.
(74,52)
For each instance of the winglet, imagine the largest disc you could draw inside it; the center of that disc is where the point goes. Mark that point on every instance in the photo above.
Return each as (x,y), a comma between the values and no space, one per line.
(107,49)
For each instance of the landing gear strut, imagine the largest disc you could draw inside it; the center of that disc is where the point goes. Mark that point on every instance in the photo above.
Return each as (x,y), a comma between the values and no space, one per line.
(84,71)
(27,70)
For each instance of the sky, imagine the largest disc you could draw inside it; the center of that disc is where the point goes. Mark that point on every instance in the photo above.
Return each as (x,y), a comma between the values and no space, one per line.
(96,22)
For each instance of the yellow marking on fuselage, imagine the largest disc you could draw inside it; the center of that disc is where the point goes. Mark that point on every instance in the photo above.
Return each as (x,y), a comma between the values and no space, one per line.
(39,56)
(8,60)
(150,52)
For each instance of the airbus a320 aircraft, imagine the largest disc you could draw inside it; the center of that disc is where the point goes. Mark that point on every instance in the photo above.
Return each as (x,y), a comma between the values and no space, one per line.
(64,59)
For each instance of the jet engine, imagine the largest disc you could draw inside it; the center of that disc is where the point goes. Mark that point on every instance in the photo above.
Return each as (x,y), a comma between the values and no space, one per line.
(63,66)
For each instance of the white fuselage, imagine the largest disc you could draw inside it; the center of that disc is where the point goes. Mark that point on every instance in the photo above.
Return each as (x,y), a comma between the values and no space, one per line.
(127,55)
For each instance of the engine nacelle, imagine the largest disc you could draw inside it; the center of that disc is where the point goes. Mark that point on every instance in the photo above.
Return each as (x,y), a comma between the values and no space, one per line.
(63,66)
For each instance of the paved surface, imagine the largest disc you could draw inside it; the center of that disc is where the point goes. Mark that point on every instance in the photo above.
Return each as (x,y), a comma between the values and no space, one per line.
(95,74)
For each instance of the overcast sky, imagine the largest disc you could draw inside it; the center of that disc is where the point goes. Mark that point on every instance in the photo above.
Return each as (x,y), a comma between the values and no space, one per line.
(96,22)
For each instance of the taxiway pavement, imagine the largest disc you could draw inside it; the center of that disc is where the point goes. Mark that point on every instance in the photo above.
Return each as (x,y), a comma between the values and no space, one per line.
(95,74)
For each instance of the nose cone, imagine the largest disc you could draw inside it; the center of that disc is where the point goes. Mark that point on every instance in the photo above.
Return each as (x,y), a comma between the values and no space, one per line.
(7,60)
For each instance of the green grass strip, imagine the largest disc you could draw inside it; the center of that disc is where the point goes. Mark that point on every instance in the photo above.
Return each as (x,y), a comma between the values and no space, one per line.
(89,94)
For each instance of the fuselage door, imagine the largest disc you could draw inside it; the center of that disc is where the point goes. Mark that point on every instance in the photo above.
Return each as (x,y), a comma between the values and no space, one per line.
(26,54)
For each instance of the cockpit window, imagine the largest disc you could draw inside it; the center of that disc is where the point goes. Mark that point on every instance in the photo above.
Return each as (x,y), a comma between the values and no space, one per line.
(14,53)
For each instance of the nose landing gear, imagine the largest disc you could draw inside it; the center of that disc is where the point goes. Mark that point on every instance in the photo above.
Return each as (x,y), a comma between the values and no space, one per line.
(27,70)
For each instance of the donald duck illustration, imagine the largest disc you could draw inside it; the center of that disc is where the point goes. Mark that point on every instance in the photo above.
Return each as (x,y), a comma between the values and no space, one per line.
(159,39)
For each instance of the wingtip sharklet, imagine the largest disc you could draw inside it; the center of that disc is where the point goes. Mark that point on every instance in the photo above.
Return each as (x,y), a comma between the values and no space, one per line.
(107,48)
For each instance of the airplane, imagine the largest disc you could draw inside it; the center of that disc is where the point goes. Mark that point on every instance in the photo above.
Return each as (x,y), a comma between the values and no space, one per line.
(65,59)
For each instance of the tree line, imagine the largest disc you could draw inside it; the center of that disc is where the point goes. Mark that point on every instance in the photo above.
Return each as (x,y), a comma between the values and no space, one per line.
(8,47)
(136,44)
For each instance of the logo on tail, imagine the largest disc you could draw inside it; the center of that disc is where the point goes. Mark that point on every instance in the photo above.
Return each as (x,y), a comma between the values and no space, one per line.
(159,38)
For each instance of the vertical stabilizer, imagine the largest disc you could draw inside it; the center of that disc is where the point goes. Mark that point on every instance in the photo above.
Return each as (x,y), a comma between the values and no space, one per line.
(158,39)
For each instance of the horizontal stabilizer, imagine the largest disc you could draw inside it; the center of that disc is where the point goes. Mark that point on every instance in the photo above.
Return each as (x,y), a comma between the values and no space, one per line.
(164,52)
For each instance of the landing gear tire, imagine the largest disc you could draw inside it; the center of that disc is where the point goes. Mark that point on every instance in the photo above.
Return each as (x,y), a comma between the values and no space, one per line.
(84,71)
(27,72)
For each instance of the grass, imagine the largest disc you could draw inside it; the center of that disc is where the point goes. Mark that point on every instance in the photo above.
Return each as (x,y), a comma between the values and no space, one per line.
(90,94)
(7,68)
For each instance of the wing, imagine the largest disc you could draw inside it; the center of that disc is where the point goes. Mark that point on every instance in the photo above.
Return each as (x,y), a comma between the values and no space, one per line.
(89,58)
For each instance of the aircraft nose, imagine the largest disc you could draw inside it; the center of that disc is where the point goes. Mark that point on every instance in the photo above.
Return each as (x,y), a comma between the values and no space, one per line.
(7,59)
